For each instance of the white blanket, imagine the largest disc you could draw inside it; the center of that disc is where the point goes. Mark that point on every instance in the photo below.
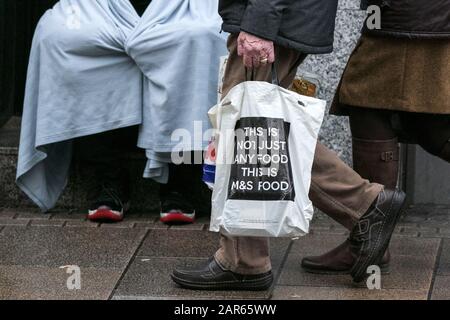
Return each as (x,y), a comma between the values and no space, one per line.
(97,66)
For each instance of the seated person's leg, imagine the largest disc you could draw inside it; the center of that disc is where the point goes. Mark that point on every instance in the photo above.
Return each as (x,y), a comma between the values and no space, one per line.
(104,157)
(75,88)
(176,196)
(156,46)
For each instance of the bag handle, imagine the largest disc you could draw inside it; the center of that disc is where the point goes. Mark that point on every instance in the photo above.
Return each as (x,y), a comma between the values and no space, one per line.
(275,79)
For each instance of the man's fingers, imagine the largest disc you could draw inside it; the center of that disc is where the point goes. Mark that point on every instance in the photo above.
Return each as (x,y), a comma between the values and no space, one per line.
(253,54)
(256,62)
(249,54)
(248,61)
(269,53)
(240,49)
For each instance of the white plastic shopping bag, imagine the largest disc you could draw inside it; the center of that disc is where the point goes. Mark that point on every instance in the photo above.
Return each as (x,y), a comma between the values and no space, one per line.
(265,144)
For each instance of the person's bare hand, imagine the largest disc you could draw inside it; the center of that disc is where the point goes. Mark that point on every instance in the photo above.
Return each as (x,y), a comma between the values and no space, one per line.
(255,50)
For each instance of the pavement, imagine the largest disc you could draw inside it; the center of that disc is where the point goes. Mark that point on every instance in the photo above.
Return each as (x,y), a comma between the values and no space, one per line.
(133,259)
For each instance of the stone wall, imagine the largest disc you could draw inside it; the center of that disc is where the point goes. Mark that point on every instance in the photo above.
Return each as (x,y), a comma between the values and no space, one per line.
(336,132)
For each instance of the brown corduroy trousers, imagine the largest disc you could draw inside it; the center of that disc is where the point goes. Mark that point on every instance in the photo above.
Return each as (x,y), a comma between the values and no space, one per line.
(336,189)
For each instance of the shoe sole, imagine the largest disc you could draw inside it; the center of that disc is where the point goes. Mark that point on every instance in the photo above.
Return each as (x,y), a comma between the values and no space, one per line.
(385,269)
(105,215)
(358,272)
(177,217)
(251,285)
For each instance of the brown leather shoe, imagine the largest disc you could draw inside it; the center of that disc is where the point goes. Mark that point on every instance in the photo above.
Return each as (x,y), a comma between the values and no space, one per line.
(212,276)
(370,237)
(340,260)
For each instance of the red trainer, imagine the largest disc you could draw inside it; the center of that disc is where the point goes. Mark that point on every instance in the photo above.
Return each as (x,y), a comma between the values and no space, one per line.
(105,214)
(177,216)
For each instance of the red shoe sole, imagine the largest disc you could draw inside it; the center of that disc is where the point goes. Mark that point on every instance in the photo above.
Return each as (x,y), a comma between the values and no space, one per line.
(177,217)
(105,215)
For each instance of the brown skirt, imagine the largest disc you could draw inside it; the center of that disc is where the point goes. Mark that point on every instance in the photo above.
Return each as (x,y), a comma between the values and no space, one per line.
(396,74)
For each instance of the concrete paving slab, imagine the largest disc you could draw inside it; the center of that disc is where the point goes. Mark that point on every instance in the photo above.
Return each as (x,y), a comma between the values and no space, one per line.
(53,247)
(122,225)
(31,215)
(193,243)
(444,260)
(68,216)
(195,226)
(150,225)
(81,224)
(149,275)
(45,283)
(325,293)
(149,279)
(411,267)
(441,288)
(179,243)
(46,223)
(14,222)
(7,213)
(32,252)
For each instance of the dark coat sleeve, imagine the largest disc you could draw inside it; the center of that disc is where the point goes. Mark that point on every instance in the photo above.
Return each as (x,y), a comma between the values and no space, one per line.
(262,18)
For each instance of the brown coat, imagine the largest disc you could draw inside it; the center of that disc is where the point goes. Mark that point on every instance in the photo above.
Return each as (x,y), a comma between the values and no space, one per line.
(397,74)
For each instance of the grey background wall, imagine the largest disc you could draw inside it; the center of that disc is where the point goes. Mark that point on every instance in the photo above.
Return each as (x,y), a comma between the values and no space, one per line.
(336,132)
(427,178)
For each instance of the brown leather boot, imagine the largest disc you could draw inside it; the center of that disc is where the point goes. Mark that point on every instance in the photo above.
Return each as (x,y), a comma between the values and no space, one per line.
(338,261)
(377,160)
